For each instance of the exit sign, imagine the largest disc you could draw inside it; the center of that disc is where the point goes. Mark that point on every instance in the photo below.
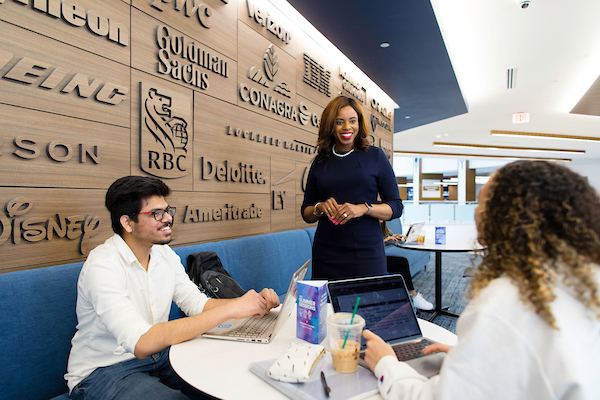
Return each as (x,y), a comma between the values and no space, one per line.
(520,118)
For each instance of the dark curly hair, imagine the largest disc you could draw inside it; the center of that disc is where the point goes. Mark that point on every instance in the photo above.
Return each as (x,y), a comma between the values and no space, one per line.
(540,224)
(326,138)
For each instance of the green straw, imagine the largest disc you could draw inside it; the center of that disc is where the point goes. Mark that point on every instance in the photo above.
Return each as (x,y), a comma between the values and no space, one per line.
(351,321)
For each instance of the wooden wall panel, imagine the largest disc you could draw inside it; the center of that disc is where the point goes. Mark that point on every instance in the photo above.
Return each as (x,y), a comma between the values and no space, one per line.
(222,34)
(56,151)
(66,81)
(79,216)
(40,73)
(302,168)
(145,50)
(284,177)
(100,27)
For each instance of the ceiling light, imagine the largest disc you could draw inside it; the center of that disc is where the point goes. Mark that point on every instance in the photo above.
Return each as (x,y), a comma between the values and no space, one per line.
(407,117)
(507,148)
(532,135)
(384,45)
(459,155)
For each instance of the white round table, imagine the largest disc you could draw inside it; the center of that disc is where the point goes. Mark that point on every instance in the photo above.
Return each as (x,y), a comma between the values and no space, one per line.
(221,367)
(460,238)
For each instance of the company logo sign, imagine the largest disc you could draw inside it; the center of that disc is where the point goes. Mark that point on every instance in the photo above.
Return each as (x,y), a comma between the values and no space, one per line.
(15,226)
(375,120)
(191,56)
(316,76)
(164,138)
(52,77)
(264,100)
(189,9)
(263,18)
(353,87)
(375,105)
(74,14)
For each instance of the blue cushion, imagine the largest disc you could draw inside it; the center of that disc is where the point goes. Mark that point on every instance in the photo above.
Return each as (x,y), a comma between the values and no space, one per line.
(395,226)
(256,262)
(37,324)
(311,233)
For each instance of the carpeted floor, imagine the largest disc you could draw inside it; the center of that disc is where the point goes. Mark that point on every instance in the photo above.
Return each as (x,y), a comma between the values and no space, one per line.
(454,285)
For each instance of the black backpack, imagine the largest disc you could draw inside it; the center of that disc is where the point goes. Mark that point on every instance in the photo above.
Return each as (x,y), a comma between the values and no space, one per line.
(206,270)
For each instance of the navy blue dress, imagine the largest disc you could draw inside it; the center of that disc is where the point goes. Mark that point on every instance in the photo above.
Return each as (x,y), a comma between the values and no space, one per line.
(356,248)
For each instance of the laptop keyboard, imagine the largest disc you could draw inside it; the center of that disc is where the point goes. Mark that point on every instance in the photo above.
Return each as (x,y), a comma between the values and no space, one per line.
(254,327)
(409,351)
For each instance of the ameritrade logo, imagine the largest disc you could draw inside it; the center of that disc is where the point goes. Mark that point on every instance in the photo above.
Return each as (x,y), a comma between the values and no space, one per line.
(165,142)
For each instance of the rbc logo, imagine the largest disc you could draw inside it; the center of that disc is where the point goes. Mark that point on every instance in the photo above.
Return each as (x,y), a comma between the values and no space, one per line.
(164,135)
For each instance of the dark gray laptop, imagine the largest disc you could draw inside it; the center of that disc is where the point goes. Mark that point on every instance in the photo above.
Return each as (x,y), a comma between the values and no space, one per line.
(388,312)
(261,330)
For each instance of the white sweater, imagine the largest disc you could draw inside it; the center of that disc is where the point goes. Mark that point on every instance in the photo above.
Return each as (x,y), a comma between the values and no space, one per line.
(506,351)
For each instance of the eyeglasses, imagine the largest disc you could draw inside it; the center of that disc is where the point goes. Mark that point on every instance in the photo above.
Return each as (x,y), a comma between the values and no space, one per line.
(159,214)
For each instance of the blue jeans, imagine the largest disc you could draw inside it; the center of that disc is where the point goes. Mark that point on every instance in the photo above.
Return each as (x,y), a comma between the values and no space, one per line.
(152,378)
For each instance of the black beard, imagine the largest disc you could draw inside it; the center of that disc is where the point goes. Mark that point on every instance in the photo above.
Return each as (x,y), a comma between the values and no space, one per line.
(166,241)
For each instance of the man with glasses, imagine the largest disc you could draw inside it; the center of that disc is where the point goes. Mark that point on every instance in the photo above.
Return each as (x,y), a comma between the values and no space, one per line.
(124,295)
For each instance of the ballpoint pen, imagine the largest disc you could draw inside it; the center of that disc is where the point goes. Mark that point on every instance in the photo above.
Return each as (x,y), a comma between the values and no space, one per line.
(324,382)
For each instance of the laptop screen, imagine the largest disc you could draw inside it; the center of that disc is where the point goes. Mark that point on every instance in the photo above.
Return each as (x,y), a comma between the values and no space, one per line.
(384,305)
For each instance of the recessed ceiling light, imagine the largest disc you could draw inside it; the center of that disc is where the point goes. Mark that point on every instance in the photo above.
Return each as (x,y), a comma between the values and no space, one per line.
(407,117)
(384,45)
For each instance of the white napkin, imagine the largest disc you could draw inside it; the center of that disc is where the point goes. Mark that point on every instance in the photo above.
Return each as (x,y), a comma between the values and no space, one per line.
(296,362)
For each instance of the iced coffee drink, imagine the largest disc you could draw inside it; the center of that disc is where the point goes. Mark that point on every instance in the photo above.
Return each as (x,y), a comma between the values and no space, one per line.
(344,334)
(345,359)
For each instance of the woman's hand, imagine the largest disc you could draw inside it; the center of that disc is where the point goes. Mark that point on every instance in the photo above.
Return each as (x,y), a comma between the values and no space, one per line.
(376,349)
(347,211)
(328,207)
(444,348)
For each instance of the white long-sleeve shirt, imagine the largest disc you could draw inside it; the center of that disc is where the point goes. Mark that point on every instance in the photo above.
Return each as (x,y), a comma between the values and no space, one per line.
(118,301)
(506,351)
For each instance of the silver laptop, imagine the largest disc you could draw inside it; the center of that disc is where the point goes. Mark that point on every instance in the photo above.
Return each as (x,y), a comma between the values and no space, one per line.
(413,232)
(260,330)
(388,312)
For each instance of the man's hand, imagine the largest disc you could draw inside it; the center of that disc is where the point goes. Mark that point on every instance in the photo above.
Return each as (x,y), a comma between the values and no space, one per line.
(249,304)
(271,297)
(376,349)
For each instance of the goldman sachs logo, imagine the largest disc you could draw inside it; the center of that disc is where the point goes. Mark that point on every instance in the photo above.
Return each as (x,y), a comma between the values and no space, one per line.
(165,143)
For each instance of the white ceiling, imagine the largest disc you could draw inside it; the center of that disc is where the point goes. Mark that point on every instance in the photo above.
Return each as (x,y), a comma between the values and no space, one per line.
(554,45)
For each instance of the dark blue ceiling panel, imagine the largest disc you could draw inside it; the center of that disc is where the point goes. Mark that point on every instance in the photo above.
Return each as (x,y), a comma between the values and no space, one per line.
(414,70)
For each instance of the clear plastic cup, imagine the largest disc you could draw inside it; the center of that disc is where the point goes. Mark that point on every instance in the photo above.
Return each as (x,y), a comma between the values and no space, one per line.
(344,340)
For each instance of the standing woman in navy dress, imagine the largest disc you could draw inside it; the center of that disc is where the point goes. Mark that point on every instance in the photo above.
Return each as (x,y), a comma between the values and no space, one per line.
(344,183)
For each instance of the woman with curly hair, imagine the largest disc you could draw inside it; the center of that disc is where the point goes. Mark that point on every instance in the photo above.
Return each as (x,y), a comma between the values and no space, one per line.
(532,328)
(344,182)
